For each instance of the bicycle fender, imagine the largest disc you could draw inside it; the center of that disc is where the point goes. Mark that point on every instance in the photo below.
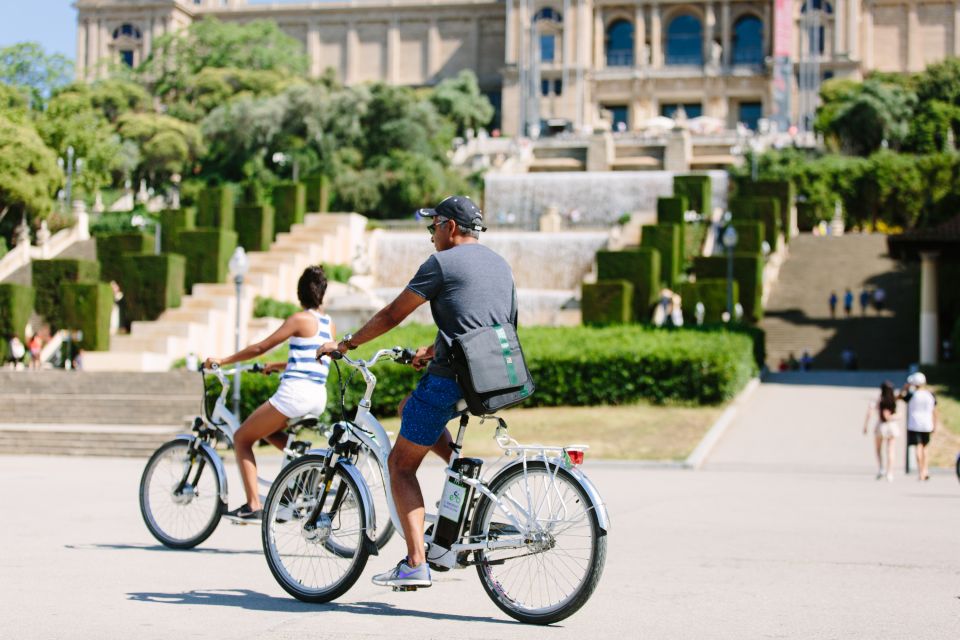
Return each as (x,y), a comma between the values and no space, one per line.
(217,463)
(367,499)
(596,502)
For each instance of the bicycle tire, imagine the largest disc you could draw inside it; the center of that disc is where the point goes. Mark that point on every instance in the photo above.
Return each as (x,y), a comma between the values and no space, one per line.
(480,526)
(373,474)
(958,467)
(207,517)
(296,485)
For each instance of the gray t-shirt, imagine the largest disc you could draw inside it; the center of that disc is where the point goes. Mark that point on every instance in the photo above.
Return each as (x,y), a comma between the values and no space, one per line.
(468,286)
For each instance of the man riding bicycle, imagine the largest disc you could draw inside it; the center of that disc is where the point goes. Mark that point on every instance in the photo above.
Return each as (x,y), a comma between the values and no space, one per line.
(468,286)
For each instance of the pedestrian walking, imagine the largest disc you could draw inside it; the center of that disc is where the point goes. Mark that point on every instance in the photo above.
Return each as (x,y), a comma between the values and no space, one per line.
(35,345)
(848,302)
(15,351)
(833,304)
(885,429)
(879,299)
(923,418)
(864,301)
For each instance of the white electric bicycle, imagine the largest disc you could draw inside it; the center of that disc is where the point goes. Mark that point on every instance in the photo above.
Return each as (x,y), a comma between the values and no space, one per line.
(535,530)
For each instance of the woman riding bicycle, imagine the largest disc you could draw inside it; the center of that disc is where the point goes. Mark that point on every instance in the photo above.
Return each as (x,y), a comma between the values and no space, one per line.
(302,388)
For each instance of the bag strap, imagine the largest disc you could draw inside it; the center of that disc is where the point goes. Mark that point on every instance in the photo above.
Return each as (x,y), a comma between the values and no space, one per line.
(507,355)
(513,307)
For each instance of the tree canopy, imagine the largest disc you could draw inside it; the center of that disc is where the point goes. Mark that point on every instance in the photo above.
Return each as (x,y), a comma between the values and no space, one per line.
(27,65)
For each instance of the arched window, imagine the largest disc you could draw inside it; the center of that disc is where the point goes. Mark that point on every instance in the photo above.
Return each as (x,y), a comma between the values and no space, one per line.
(748,41)
(619,44)
(127,30)
(550,28)
(685,41)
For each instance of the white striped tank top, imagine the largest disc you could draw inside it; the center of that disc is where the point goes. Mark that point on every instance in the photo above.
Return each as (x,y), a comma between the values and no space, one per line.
(302,363)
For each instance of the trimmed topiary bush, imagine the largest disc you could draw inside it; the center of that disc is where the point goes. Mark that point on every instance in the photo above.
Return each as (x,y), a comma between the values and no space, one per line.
(783,191)
(207,252)
(317,189)
(696,189)
(152,284)
(215,207)
(48,275)
(16,306)
(641,268)
(607,302)
(111,248)
(672,210)
(758,209)
(747,271)
(712,292)
(172,222)
(289,205)
(254,226)
(665,238)
(750,236)
(87,307)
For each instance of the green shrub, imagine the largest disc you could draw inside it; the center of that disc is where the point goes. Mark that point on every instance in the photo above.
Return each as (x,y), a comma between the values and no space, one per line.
(152,284)
(317,190)
(782,190)
(172,222)
(270,308)
(641,268)
(16,306)
(112,222)
(607,302)
(289,204)
(712,293)
(338,272)
(215,207)
(759,209)
(3,247)
(207,252)
(665,238)
(671,211)
(696,189)
(747,271)
(254,226)
(112,246)
(87,307)
(750,236)
(48,275)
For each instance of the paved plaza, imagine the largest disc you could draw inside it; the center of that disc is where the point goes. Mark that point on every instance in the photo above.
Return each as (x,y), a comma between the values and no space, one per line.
(784,533)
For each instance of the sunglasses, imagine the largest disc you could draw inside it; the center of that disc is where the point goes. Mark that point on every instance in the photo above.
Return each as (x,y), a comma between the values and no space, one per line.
(433,227)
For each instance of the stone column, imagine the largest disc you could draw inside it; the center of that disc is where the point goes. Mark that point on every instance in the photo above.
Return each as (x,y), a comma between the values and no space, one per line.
(867,55)
(81,50)
(147,46)
(510,54)
(656,46)
(838,16)
(852,24)
(313,48)
(639,36)
(433,49)
(104,47)
(914,56)
(929,340)
(477,54)
(599,60)
(725,39)
(956,27)
(709,25)
(353,42)
(93,48)
(767,30)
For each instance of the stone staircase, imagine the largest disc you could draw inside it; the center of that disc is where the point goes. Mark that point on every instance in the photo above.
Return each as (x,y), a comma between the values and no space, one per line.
(797,314)
(57,412)
(204,322)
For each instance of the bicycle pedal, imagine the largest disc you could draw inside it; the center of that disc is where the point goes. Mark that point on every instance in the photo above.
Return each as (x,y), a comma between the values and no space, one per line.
(397,588)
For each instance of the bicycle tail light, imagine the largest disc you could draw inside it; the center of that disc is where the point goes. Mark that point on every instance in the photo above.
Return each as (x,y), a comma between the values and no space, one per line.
(574,455)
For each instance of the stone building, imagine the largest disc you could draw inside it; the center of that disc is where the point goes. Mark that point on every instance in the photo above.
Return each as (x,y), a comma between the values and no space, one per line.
(588,63)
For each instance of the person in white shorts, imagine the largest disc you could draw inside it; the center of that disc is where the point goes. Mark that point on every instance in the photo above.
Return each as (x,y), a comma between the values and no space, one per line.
(302,388)
(922,418)
(886,429)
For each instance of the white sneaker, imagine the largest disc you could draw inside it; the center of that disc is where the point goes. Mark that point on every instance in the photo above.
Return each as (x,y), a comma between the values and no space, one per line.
(403,575)
(889,477)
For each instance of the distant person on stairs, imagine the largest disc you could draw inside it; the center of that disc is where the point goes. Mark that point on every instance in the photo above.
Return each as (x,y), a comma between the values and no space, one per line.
(886,429)
(833,304)
(848,302)
(923,418)
(864,301)
(879,299)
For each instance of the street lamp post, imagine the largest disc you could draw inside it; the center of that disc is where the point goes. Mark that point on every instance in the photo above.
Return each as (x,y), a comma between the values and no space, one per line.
(729,240)
(70,166)
(238,268)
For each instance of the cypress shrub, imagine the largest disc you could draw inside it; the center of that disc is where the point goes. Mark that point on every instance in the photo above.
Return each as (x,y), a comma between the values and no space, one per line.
(215,207)
(172,222)
(712,292)
(152,284)
(16,306)
(696,189)
(783,191)
(665,238)
(112,246)
(48,275)
(641,268)
(317,193)
(207,252)
(87,307)
(289,204)
(254,226)
(758,209)
(750,236)
(607,302)
(747,271)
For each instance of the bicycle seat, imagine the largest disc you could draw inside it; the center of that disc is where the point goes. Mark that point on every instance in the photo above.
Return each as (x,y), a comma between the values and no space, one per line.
(303,422)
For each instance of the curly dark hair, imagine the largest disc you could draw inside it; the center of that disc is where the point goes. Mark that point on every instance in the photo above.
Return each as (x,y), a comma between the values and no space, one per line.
(311,287)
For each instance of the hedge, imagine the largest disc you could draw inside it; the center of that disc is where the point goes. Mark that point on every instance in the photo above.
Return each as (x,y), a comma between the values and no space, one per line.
(111,248)
(317,194)
(759,209)
(572,366)
(152,284)
(289,204)
(783,191)
(338,272)
(747,271)
(641,268)
(16,306)
(172,222)
(87,307)
(215,207)
(254,226)
(665,238)
(270,308)
(750,236)
(672,210)
(696,189)
(712,292)
(607,302)
(207,252)
(48,275)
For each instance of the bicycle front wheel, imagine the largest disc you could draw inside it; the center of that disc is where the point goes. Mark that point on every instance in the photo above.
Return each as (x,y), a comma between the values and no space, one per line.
(561,554)
(314,560)
(180,495)
(369,465)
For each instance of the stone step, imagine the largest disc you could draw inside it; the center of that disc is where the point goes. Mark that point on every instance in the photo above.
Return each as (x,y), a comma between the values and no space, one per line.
(52,442)
(175,383)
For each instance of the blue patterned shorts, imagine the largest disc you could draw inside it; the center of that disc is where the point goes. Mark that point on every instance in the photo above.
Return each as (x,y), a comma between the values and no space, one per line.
(431,406)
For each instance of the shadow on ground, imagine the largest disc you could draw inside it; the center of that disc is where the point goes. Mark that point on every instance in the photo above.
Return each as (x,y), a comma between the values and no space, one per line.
(864,379)
(159,547)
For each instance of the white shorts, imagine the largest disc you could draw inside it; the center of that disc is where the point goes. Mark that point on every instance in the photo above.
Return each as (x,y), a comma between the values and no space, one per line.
(887,430)
(295,398)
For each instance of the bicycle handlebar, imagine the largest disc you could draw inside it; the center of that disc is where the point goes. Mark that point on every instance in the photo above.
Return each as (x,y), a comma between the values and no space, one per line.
(397,354)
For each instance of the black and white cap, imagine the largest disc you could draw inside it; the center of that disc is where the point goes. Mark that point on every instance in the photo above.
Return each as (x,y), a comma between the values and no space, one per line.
(460,209)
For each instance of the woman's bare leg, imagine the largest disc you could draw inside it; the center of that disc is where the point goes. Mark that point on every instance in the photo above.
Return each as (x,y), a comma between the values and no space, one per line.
(262,423)
(879,446)
(889,466)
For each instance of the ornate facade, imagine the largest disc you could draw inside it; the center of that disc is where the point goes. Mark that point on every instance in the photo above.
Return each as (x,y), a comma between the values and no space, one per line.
(585,62)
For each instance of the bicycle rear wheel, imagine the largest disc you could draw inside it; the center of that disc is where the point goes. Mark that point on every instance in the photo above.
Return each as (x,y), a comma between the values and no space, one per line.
(180,518)
(315,562)
(557,570)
